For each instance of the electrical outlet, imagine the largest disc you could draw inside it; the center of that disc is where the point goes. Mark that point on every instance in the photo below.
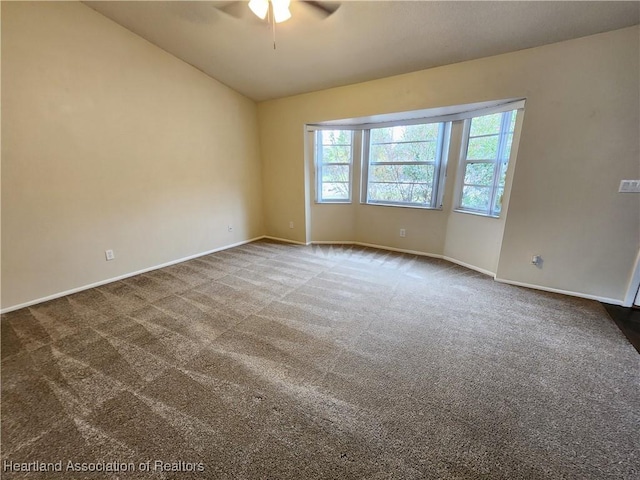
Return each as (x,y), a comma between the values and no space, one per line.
(230,228)
(109,255)
(290,224)
(403,232)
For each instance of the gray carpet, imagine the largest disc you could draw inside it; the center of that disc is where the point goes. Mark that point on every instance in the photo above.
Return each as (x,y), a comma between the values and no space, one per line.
(273,361)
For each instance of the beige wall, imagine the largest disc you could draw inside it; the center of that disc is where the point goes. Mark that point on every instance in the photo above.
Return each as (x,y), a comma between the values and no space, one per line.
(375,225)
(483,253)
(437,232)
(579,139)
(111,143)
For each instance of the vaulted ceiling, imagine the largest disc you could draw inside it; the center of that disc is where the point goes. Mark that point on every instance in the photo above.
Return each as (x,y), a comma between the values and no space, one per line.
(360,41)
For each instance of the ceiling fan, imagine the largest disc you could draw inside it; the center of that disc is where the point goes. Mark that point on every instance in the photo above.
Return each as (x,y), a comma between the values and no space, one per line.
(276,11)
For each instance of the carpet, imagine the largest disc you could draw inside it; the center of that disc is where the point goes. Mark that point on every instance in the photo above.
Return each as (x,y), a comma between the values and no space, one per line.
(276,361)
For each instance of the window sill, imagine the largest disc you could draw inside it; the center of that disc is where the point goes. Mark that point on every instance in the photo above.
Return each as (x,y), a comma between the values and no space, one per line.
(395,205)
(334,202)
(477,214)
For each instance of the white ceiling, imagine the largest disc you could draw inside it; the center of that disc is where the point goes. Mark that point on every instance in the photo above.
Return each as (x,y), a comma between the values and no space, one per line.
(360,41)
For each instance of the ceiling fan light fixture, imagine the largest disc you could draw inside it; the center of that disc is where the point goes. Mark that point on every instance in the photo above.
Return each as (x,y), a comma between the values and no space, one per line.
(281,11)
(259,7)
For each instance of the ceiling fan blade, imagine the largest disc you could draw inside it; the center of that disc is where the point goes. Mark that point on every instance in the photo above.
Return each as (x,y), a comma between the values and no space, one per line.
(323,9)
(236,9)
(240,8)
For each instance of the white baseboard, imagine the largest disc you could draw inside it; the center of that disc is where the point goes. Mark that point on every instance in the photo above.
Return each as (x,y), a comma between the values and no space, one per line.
(470,267)
(329,242)
(411,252)
(400,250)
(373,245)
(612,301)
(122,277)
(285,240)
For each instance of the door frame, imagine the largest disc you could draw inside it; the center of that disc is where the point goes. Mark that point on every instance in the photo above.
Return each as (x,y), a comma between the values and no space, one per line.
(633,293)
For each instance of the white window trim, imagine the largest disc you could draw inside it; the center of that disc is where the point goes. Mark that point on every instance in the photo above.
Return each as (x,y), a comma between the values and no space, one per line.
(448,114)
(440,164)
(519,107)
(318,169)
(432,115)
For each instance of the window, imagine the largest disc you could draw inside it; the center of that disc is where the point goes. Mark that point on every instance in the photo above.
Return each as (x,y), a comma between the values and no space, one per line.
(334,154)
(485,157)
(404,164)
(400,159)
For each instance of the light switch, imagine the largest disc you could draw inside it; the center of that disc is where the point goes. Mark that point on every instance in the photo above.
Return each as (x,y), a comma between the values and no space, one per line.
(629,186)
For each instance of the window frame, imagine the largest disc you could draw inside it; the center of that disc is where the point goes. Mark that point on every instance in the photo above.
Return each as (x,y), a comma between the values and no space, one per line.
(503,134)
(440,164)
(317,149)
(456,117)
